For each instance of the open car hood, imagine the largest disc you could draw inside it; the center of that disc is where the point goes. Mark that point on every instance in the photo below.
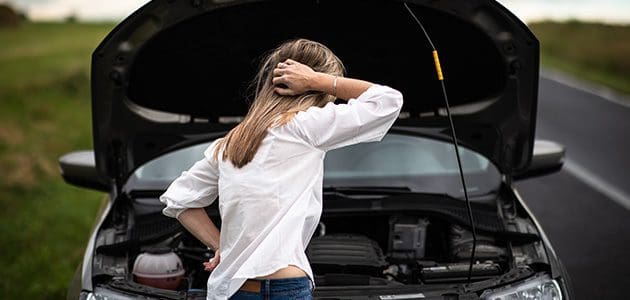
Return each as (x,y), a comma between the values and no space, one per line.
(175,72)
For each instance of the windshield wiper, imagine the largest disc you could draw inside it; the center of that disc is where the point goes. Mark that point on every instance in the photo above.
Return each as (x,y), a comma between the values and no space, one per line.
(367,190)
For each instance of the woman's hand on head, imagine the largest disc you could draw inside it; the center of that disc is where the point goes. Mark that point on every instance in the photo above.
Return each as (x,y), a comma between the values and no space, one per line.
(293,78)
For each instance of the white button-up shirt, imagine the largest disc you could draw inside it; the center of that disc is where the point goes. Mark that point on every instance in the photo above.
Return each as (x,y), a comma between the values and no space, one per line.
(271,207)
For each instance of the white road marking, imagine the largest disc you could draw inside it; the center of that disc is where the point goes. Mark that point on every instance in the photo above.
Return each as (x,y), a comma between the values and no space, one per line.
(597,183)
(600,91)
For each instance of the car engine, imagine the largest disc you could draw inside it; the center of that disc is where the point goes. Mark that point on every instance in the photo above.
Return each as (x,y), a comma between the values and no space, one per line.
(138,248)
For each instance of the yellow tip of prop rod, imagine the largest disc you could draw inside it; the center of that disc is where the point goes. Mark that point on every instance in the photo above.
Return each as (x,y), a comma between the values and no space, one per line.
(436,59)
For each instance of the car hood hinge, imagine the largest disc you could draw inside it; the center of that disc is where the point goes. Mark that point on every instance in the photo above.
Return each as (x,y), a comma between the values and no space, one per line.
(119,164)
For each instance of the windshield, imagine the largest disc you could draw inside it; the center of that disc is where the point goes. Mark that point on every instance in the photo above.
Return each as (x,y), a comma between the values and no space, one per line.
(419,163)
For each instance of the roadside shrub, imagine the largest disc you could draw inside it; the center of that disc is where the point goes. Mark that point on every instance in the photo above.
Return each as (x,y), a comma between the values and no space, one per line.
(8,16)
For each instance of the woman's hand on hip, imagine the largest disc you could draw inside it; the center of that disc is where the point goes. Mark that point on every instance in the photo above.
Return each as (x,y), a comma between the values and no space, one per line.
(213,262)
(293,78)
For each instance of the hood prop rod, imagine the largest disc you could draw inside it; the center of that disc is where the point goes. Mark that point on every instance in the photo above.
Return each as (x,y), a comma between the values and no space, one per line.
(440,76)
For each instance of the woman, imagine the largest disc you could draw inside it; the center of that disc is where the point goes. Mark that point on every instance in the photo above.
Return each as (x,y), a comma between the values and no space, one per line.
(268,171)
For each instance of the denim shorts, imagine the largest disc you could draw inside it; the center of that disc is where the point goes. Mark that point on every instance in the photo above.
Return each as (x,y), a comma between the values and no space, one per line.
(298,288)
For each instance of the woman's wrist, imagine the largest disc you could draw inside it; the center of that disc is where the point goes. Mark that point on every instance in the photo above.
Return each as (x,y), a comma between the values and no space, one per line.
(330,84)
(323,82)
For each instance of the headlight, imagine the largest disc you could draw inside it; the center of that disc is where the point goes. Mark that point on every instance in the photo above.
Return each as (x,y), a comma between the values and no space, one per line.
(538,288)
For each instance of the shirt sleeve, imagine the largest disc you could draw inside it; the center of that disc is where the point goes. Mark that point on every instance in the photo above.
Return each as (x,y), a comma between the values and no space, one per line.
(364,119)
(197,187)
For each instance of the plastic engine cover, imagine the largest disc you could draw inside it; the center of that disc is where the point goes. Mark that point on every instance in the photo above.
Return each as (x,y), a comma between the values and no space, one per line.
(345,253)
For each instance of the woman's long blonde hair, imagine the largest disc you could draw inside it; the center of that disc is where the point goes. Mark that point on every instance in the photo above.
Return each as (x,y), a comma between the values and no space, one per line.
(271,109)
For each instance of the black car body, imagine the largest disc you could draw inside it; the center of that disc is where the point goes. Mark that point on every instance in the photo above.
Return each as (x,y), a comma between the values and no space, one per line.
(171,78)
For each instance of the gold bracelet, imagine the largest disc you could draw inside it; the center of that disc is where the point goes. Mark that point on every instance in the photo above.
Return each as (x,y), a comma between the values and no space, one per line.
(334,89)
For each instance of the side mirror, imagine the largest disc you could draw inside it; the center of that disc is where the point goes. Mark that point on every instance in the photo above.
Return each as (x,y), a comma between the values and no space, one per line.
(548,158)
(79,168)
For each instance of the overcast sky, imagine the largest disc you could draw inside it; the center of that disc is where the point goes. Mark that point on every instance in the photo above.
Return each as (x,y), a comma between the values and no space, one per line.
(610,11)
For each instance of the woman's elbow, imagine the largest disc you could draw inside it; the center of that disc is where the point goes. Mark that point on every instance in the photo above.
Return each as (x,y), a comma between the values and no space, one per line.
(394,102)
(390,101)
(396,98)
(171,209)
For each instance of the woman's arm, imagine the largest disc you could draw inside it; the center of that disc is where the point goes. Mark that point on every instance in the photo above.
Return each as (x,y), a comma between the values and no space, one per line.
(299,78)
(197,222)
(187,196)
(367,116)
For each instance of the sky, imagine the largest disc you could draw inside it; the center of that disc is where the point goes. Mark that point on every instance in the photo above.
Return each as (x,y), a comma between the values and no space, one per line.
(607,11)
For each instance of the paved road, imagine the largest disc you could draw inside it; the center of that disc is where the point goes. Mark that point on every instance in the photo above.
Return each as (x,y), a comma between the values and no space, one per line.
(585,208)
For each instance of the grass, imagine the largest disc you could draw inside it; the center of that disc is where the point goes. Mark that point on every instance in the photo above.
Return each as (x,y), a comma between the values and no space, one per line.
(594,52)
(44,113)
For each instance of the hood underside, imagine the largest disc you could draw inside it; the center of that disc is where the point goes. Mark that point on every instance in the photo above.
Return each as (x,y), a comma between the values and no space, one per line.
(176,72)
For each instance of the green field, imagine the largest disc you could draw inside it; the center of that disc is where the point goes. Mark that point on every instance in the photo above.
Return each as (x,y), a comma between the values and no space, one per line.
(594,52)
(44,112)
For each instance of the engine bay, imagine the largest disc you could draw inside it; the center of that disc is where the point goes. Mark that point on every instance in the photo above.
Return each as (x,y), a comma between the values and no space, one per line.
(139,247)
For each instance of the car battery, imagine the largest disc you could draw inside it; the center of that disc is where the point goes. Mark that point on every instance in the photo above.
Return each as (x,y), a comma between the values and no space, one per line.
(407,237)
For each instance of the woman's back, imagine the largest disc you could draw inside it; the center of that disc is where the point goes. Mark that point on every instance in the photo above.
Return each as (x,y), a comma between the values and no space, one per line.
(269,208)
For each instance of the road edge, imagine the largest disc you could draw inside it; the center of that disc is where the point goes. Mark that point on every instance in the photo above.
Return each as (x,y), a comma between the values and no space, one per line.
(588,87)
(599,184)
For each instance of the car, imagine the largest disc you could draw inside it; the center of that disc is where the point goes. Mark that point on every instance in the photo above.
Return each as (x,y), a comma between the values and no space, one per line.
(172,77)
